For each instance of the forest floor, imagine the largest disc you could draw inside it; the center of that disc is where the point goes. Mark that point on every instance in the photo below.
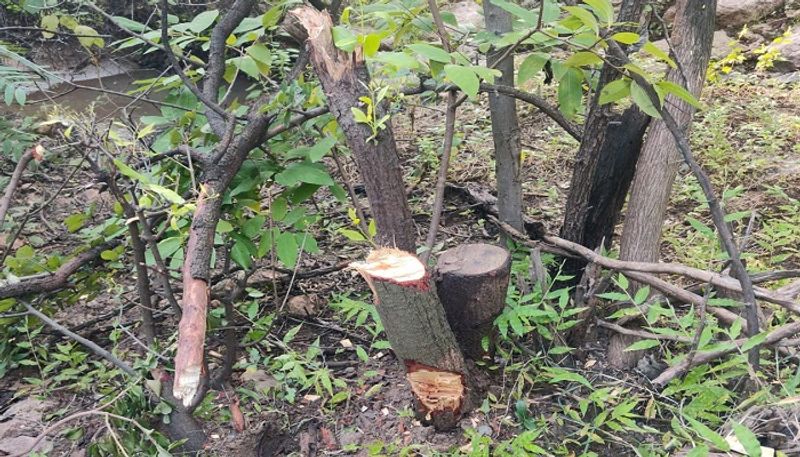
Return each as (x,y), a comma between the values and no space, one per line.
(748,139)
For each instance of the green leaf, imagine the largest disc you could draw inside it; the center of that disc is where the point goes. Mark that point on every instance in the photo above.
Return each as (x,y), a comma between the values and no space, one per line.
(286,248)
(224,226)
(314,153)
(344,39)
(130,172)
(89,37)
(754,341)
(584,16)
(615,90)
(559,375)
(167,194)
(748,439)
(642,345)
(653,50)
(272,16)
(641,295)
(626,37)
(122,21)
(431,52)
(640,98)
(570,92)
(582,59)
(241,255)
(359,116)
(49,22)
(530,17)
(260,53)
(352,235)
(203,21)
(253,226)
(699,451)
(532,65)
(465,78)
(680,92)
(304,172)
(399,60)
(371,44)
(248,66)
(75,222)
(709,435)
(603,9)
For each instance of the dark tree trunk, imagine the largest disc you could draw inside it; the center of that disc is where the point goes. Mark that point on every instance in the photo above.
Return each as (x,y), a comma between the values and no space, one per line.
(472,282)
(505,126)
(692,37)
(344,78)
(603,166)
(417,328)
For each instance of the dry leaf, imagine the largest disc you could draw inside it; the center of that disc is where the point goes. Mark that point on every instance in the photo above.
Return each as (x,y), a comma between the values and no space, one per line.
(237,417)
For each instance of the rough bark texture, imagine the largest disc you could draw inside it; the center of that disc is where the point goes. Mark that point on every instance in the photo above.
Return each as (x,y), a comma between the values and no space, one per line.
(417,328)
(505,126)
(603,166)
(692,38)
(344,78)
(472,282)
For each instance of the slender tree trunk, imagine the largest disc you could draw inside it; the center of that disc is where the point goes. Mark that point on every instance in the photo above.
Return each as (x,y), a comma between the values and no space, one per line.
(344,79)
(692,37)
(417,328)
(472,283)
(505,126)
(604,164)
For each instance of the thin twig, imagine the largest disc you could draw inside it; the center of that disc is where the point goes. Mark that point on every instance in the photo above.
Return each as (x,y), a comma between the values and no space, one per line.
(26,157)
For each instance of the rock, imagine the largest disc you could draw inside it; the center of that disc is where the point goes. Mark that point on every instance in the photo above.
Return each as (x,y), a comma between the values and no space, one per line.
(21,443)
(792,9)
(789,78)
(468,14)
(719,49)
(350,437)
(736,13)
(789,47)
(303,306)
(721,45)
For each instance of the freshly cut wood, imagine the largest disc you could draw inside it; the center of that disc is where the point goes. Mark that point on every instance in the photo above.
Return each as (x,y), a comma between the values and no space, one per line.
(472,282)
(416,326)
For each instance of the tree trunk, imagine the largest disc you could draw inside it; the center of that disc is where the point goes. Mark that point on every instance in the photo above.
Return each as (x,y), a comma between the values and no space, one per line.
(603,166)
(344,79)
(692,37)
(416,326)
(472,282)
(505,127)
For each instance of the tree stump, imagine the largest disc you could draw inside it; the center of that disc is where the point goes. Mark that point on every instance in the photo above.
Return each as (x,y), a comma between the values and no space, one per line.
(472,282)
(416,326)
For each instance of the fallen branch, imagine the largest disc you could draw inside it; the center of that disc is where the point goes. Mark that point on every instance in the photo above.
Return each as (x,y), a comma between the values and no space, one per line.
(58,279)
(89,344)
(641,333)
(773,337)
(14,182)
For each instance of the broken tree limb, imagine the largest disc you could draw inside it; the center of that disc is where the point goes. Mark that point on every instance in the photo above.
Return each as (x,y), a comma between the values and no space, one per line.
(49,282)
(472,282)
(345,80)
(416,326)
(26,157)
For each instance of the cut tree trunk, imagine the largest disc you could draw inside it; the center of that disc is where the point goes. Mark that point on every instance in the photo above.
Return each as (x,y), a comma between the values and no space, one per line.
(345,80)
(605,162)
(692,38)
(472,282)
(505,126)
(416,326)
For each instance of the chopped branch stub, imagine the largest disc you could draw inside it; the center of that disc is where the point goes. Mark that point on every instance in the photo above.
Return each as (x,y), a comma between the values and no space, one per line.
(437,391)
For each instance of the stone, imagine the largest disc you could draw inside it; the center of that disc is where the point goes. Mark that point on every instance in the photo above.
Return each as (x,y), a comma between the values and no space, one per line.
(789,48)
(736,13)
(350,437)
(792,9)
(468,14)
(22,442)
(720,48)
(303,306)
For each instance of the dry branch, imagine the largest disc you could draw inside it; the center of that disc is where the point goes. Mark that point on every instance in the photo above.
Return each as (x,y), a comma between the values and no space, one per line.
(26,157)
(42,283)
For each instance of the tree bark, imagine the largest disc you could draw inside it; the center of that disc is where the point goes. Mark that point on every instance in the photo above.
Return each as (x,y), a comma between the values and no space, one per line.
(344,79)
(416,326)
(472,282)
(505,126)
(604,164)
(692,37)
